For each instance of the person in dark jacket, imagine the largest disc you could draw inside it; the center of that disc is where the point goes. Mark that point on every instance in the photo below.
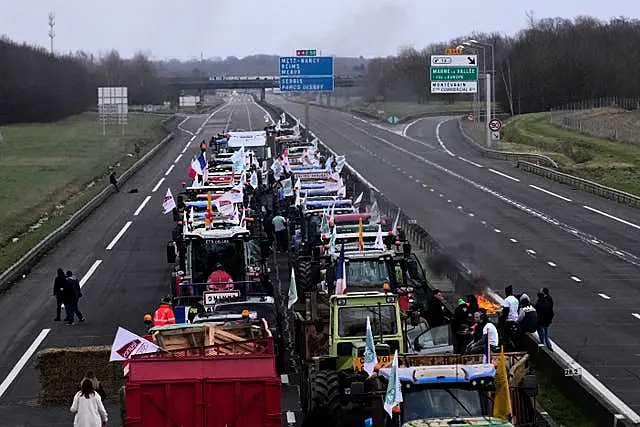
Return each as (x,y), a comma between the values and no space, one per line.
(435,310)
(74,298)
(59,285)
(527,316)
(459,326)
(114,181)
(544,309)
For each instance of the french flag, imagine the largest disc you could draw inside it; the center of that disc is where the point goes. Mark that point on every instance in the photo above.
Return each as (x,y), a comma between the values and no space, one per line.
(341,282)
(198,166)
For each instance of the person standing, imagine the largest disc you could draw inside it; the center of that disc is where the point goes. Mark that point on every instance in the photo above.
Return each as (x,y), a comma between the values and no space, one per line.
(114,181)
(76,294)
(280,227)
(544,309)
(59,285)
(88,407)
(164,314)
(435,310)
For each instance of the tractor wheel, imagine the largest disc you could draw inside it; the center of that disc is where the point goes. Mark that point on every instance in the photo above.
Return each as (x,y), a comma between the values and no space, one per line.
(303,276)
(325,394)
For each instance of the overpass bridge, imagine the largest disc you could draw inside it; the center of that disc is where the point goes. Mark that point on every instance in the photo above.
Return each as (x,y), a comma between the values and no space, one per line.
(185,83)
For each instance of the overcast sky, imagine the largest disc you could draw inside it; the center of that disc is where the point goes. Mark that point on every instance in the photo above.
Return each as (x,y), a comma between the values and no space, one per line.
(185,29)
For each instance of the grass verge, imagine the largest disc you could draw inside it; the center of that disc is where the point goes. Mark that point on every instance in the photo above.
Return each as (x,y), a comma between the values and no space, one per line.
(50,170)
(611,163)
(561,409)
(403,109)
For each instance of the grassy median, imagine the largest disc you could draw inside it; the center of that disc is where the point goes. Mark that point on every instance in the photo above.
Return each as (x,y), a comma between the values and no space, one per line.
(403,109)
(49,170)
(612,163)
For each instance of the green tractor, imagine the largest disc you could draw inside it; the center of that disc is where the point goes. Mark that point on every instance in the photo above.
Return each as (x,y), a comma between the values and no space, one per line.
(331,340)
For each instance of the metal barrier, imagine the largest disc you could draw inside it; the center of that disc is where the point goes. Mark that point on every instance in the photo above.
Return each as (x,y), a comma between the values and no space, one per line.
(582,184)
(505,155)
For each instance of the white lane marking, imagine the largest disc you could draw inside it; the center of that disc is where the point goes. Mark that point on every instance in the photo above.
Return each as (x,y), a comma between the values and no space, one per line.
(284,378)
(13,374)
(183,129)
(630,224)
(263,110)
(157,185)
(497,230)
(440,141)
(470,162)
(449,201)
(90,272)
(184,150)
(177,158)
(530,251)
(576,279)
(552,264)
(550,193)
(471,214)
(169,170)
(142,205)
(504,175)
(410,176)
(586,375)
(513,240)
(636,315)
(604,296)
(119,235)
(291,418)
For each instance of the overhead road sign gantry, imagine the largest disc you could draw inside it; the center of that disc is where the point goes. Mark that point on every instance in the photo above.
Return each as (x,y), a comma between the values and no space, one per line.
(454,73)
(306,73)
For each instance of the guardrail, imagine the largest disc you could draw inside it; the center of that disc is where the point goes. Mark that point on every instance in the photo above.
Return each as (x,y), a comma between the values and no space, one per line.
(582,184)
(590,396)
(505,155)
(22,266)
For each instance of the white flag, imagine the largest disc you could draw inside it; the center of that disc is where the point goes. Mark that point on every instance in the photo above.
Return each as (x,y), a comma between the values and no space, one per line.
(253,181)
(185,226)
(168,204)
(293,291)
(266,118)
(127,344)
(393,396)
(379,244)
(358,200)
(370,358)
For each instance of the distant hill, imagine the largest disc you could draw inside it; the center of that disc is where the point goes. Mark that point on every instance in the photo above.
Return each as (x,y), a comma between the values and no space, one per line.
(255,65)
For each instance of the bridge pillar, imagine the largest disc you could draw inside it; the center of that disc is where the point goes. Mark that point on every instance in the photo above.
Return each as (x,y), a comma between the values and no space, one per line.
(262,94)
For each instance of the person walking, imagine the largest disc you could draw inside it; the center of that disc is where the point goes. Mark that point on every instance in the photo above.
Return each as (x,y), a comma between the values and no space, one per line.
(76,294)
(544,309)
(280,227)
(59,285)
(97,386)
(88,407)
(114,181)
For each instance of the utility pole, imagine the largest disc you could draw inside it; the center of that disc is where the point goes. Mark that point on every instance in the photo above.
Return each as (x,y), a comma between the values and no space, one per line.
(52,34)
(488,99)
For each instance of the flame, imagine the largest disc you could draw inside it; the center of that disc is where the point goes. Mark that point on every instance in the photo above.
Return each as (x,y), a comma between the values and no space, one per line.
(490,306)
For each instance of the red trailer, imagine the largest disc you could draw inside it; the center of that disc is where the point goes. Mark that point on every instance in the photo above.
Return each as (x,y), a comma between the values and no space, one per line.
(227,385)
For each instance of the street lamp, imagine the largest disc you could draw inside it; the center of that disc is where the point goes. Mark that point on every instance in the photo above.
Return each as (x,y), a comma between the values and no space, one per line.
(493,72)
(477,95)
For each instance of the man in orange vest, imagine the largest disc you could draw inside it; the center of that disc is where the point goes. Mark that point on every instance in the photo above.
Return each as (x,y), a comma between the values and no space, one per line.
(164,314)
(203,146)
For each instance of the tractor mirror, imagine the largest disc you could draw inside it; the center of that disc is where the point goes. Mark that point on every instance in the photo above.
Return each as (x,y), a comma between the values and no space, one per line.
(171,253)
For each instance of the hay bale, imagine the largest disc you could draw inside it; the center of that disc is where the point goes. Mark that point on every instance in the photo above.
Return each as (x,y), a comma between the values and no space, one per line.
(62,369)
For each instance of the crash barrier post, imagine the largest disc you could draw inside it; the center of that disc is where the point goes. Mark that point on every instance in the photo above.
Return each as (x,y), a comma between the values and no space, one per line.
(22,266)
(581,184)
(598,403)
(505,155)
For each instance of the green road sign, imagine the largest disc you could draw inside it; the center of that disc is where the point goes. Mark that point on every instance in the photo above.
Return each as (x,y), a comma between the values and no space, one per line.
(454,73)
(393,120)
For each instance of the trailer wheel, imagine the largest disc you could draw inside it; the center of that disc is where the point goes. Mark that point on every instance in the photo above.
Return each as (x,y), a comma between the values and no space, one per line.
(303,276)
(325,393)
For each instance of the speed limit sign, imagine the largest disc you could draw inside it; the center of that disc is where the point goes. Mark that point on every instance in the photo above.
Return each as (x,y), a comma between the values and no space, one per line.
(495,125)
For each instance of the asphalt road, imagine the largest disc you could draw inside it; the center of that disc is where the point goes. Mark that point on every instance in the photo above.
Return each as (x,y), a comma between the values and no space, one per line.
(512,228)
(123,277)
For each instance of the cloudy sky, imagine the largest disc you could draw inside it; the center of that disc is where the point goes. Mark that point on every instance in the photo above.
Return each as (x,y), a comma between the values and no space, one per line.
(185,29)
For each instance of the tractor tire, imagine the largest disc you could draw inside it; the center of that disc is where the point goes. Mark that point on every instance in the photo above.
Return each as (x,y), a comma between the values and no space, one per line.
(303,277)
(325,395)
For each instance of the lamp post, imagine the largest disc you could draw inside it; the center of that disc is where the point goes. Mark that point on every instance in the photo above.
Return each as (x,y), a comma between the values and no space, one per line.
(493,73)
(476,96)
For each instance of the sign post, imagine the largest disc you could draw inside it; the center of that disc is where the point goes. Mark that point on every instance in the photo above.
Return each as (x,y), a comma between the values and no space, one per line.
(454,73)
(306,73)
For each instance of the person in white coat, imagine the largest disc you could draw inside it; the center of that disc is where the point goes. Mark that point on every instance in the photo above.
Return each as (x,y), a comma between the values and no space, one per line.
(88,407)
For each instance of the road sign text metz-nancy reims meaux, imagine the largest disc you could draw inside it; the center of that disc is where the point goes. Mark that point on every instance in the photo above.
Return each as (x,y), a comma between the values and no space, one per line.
(454,73)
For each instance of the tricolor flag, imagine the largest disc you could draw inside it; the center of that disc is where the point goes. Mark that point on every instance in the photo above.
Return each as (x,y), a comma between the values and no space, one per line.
(341,282)
(197,166)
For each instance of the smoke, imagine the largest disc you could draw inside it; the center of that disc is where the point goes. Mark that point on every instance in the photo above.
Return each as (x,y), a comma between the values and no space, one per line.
(371,30)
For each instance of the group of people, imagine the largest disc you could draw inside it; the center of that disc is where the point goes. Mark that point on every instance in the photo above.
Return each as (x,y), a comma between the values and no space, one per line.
(471,325)
(66,289)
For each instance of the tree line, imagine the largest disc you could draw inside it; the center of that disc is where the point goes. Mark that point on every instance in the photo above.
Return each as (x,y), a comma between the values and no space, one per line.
(36,86)
(552,62)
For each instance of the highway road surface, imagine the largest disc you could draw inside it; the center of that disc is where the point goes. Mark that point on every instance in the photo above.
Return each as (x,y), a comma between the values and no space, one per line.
(513,228)
(119,255)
